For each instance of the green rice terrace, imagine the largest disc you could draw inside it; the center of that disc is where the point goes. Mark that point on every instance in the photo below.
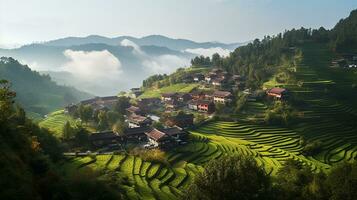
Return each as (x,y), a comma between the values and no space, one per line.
(327,116)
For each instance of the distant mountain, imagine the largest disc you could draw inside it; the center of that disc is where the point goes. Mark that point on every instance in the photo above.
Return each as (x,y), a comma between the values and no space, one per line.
(151,40)
(106,66)
(37,93)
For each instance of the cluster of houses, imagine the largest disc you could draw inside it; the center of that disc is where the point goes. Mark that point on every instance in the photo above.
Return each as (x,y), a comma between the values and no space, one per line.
(97,104)
(151,137)
(140,119)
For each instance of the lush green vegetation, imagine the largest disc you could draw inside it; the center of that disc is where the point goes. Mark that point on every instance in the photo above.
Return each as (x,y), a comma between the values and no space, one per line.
(30,157)
(37,93)
(181,87)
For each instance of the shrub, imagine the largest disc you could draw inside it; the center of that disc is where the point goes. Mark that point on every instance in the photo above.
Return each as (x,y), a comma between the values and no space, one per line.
(152,155)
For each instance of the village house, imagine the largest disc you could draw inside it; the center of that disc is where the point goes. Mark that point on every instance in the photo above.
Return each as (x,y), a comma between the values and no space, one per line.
(177,133)
(136,92)
(172,104)
(184,97)
(197,94)
(158,138)
(71,108)
(222,97)
(209,77)
(198,77)
(166,137)
(181,120)
(148,104)
(277,93)
(168,96)
(201,105)
(100,103)
(205,106)
(136,134)
(138,121)
(218,81)
(101,139)
(134,110)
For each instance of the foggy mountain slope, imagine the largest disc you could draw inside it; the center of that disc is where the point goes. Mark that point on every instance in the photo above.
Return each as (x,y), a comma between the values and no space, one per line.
(106,66)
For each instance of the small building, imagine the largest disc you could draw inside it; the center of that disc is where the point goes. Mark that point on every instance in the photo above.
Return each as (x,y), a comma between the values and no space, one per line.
(158,138)
(184,97)
(134,110)
(137,134)
(197,95)
(176,133)
(192,105)
(209,77)
(71,108)
(218,81)
(277,93)
(168,96)
(138,121)
(222,97)
(181,120)
(198,77)
(205,106)
(101,139)
(172,104)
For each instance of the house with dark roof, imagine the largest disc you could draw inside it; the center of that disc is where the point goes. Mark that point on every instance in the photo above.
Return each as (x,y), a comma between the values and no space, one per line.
(277,93)
(222,96)
(134,110)
(169,96)
(136,134)
(201,105)
(138,121)
(183,97)
(166,137)
(182,120)
(101,139)
(172,104)
(158,138)
(198,77)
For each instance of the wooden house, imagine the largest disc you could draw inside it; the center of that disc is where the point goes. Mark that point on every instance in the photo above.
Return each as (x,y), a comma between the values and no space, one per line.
(222,97)
(101,139)
(198,77)
(277,93)
(183,97)
(168,96)
(137,134)
(134,110)
(181,120)
(138,121)
(158,138)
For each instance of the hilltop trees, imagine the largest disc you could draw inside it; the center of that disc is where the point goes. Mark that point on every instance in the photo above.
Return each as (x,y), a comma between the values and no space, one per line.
(230,177)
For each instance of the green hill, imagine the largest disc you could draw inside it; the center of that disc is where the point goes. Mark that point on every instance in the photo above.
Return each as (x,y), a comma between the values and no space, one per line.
(37,93)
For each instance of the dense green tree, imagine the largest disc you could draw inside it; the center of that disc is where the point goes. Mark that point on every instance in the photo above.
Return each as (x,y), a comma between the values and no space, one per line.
(122,104)
(230,177)
(68,131)
(103,123)
(296,181)
(342,181)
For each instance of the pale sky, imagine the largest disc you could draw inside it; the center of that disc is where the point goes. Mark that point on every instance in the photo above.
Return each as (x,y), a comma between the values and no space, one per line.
(27,21)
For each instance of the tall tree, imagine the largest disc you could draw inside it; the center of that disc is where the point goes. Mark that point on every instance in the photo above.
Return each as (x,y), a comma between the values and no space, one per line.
(230,177)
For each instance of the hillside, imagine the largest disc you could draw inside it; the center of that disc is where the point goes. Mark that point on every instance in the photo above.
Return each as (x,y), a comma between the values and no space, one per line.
(37,93)
(151,40)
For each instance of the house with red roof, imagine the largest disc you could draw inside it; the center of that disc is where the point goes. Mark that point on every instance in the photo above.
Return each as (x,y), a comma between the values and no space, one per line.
(277,93)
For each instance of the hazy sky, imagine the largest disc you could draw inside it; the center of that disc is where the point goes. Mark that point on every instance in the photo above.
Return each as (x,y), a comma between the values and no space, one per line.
(27,21)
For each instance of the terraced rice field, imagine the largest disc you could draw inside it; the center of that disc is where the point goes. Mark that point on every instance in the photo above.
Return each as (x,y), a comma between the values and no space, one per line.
(55,122)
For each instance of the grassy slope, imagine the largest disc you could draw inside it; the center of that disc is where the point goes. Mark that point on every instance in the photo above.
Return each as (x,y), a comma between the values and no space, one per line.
(181,87)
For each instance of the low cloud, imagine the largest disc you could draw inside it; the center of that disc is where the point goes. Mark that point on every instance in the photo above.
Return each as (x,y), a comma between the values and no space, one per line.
(156,65)
(94,71)
(209,52)
(92,65)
